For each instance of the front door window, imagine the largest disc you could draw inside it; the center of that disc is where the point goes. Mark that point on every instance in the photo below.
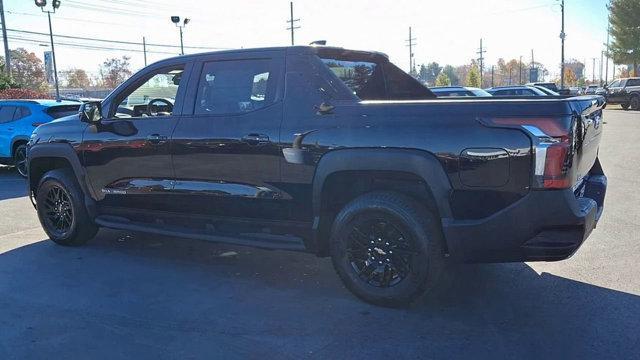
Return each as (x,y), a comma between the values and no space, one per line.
(154,97)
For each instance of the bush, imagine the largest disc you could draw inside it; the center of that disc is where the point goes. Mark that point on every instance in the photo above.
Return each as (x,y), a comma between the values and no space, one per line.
(23,94)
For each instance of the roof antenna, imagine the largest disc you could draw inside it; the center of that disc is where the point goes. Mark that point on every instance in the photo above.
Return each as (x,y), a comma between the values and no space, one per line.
(318,42)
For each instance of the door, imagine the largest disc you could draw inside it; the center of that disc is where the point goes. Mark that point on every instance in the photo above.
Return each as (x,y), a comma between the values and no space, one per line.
(616,92)
(226,155)
(6,129)
(126,154)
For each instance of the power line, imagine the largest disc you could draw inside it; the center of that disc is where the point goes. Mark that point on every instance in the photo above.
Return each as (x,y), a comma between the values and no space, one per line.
(83,46)
(113,41)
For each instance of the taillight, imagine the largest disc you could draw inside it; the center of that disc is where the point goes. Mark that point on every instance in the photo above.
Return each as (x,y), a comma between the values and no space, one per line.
(553,149)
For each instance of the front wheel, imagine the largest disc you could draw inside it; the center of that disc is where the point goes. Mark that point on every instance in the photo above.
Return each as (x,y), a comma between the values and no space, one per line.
(634,104)
(625,106)
(61,210)
(20,159)
(386,248)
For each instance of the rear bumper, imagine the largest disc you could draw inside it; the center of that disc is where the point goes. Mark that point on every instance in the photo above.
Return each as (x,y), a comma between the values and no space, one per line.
(542,226)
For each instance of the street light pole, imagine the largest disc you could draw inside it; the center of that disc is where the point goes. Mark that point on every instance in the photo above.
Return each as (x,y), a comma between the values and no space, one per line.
(53,53)
(562,36)
(55,4)
(181,42)
(176,20)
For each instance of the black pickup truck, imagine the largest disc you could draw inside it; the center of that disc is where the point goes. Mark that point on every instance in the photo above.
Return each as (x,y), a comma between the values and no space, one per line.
(330,151)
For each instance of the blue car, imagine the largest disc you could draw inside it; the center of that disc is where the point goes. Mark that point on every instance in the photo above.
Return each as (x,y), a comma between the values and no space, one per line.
(18,118)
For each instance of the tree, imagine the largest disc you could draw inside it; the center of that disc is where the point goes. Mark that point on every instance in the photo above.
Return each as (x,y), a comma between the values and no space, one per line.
(443,80)
(625,30)
(570,77)
(27,70)
(450,71)
(429,72)
(114,71)
(77,78)
(473,77)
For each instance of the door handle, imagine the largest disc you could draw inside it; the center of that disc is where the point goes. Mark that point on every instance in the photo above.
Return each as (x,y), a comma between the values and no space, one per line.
(256,139)
(156,139)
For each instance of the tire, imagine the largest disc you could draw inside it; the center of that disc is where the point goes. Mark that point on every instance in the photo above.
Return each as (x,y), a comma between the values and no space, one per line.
(20,159)
(625,106)
(387,222)
(61,209)
(634,104)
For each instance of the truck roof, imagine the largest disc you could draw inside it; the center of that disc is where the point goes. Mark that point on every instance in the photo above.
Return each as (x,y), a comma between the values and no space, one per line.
(300,48)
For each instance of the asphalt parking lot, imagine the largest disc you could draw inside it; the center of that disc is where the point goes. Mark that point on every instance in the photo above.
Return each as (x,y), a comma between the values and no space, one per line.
(139,296)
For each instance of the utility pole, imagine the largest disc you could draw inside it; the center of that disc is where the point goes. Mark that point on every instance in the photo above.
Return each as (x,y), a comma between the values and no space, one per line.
(293,26)
(492,74)
(593,69)
(7,52)
(520,70)
(510,71)
(562,37)
(481,52)
(144,49)
(411,44)
(606,69)
(601,64)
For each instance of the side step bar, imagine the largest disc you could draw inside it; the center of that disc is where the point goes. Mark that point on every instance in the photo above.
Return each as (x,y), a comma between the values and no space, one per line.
(270,242)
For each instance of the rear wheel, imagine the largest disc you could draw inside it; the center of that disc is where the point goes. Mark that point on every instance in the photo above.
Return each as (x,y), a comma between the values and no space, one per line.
(61,210)
(20,159)
(386,248)
(634,104)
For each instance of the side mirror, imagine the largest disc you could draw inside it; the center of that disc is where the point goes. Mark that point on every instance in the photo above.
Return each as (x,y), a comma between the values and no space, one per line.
(91,112)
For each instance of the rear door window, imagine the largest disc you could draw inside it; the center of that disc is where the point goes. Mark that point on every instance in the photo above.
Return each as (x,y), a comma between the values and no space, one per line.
(21,112)
(6,113)
(57,112)
(235,87)
(633,82)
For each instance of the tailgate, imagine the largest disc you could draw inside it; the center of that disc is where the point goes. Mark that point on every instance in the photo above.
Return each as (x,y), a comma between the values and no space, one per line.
(588,112)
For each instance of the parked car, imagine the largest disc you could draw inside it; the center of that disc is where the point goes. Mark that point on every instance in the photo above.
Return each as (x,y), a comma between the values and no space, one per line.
(18,118)
(448,91)
(625,92)
(575,91)
(549,85)
(590,89)
(516,90)
(546,90)
(356,160)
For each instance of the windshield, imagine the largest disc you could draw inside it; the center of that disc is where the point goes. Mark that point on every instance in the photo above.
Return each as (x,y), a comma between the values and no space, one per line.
(376,79)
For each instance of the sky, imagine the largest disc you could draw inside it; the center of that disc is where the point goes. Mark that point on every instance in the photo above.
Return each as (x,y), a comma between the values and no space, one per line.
(447,32)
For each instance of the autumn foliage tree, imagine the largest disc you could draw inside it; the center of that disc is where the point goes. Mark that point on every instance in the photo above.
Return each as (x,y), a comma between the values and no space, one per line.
(77,78)
(27,70)
(115,71)
(570,77)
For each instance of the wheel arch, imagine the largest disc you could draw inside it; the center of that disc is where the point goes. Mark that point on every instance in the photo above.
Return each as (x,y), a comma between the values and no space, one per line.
(42,158)
(405,164)
(16,141)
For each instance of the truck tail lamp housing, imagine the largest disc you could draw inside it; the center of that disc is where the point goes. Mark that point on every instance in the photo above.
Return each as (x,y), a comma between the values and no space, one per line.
(554,146)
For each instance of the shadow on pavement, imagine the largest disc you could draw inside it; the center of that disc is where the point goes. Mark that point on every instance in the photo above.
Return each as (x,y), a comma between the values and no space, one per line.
(125,296)
(12,185)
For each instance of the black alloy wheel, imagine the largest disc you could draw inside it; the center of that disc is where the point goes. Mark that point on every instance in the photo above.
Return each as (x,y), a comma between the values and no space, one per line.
(20,160)
(379,253)
(58,211)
